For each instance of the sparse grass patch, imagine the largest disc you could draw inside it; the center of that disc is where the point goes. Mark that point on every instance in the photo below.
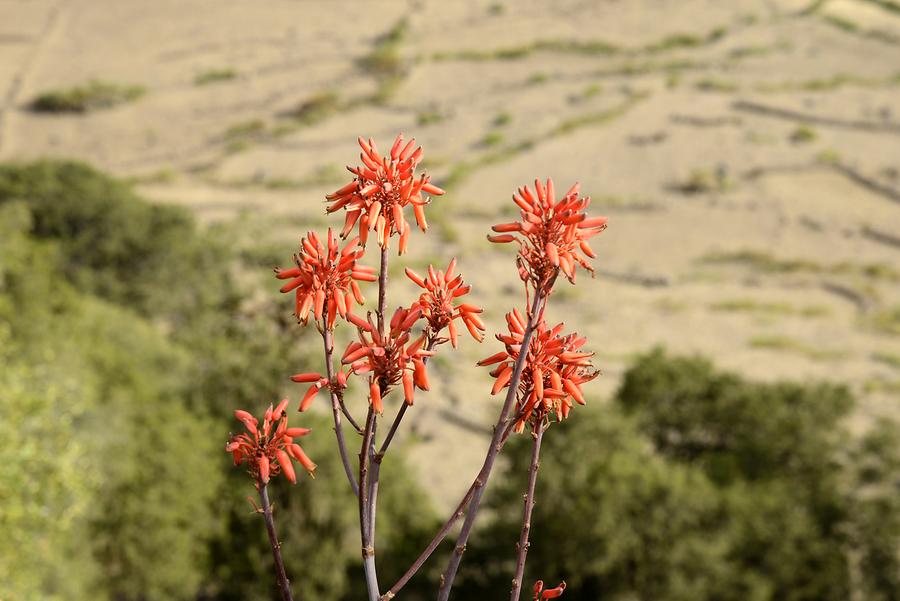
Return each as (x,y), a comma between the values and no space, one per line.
(716,85)
(829,156)
(537,78)
(501,119)
(429,117)
(704,181)
(792,345)
(889,5)
(599,117)
(214,75)
(882,385)
(842,23)
(316,108)
(92,96)
(245,129)
(386,62)
(765,262)
(669,304)
(685,40)
(886,321)
(491,139)
(814,7)
(160,176)
(625,203)
(803,134)
(496,9)
(744,305)
(889,359)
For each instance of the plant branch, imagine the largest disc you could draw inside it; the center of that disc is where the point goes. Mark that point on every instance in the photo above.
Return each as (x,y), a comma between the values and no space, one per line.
(336,405)
(445,529)
(368,483)
(449,574)
(368,548)
(284,584)
(523,544)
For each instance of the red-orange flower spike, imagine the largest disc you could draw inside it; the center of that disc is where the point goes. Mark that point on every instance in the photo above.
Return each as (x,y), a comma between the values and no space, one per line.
(541,594)
(552,235)
(442,288)
(554,371)
(390,360)
(267,450)
(324,278)
(382,189)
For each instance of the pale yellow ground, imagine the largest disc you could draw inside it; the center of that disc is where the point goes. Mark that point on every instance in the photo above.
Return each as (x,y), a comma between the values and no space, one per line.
(784,115)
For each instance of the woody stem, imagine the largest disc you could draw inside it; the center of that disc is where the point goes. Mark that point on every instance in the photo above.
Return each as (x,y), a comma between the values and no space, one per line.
(522,546)
(328,341)
(284,584)
(449,574)
(443,532)
(368,483)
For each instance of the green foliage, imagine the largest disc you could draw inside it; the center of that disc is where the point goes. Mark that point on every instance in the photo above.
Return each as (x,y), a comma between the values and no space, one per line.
(121,372)
(697,484)
(89,97)
(113,244)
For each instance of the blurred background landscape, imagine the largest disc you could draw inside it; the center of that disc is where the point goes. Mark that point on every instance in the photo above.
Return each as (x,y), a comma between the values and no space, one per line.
(158,159)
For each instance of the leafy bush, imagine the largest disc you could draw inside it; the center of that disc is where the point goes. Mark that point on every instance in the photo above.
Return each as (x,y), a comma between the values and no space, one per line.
(114,244)
(697,484)
(125,342)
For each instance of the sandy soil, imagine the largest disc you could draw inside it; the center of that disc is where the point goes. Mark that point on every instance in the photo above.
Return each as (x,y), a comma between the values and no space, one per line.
(747,154)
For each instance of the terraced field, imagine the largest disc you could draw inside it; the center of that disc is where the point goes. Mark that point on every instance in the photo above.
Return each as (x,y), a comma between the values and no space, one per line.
(747,154)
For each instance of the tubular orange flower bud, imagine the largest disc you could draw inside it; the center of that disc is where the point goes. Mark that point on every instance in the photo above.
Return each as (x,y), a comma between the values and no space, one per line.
(306,377)
(507,227)
(244,416)
(263,463)
(502,379)
(501,238)
(296,432)
(420,376)
(408,387)
(285,462)
(304,460)
(309,396)
(375,396)
(552,255)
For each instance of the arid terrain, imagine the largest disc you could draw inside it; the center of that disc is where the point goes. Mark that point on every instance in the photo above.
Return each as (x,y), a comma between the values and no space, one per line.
(746,152)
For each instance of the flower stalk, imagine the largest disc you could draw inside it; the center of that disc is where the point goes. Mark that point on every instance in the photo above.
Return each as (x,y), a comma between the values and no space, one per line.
(336,409)
(522,547)
(284,585)
(449,574)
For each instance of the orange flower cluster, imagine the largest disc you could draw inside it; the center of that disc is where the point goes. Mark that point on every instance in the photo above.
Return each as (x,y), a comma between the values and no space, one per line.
(552,235)
(442,288)
(383,187)
(324,278)
(554,371)
(269,450)
(389,359)
(540,594)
